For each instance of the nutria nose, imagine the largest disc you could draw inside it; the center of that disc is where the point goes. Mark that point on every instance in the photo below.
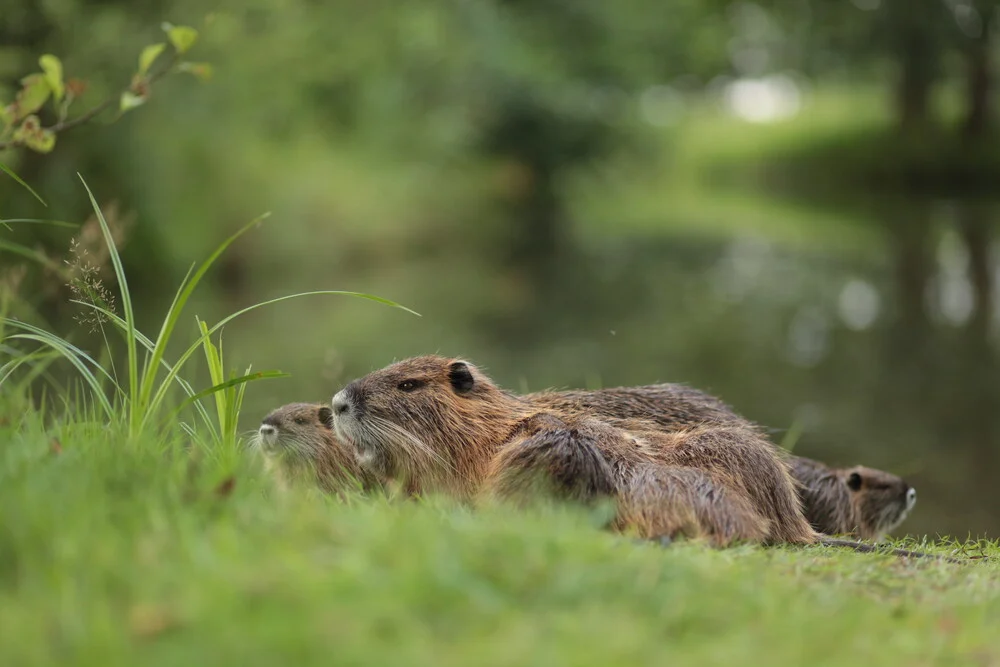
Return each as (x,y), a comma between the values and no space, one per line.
(911,497)
(347,398)
(267,429)
(340,403)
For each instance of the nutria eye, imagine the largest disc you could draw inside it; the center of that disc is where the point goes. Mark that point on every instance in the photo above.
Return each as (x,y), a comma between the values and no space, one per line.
(301,421)
(409,385)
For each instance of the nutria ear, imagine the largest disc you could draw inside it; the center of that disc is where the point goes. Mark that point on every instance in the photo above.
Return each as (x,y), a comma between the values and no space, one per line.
(854,481)
(326,417)
(460,377)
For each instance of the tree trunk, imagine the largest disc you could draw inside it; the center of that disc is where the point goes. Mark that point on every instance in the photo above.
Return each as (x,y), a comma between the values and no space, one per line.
(974,222)
(979,80)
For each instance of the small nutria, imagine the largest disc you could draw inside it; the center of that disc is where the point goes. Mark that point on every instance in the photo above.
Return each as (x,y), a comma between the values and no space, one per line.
(300,436)
(857,501)
(444,424)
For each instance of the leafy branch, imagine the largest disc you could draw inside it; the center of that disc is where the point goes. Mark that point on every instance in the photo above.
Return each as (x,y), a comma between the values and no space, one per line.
(20,125)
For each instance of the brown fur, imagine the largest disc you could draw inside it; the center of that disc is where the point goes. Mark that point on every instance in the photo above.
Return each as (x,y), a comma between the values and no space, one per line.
(445,425)
(671,406)
(859,501)
(302,437)
(830,506)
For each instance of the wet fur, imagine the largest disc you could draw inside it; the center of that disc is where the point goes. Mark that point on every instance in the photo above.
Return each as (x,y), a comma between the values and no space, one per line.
(828,504)
(725,481)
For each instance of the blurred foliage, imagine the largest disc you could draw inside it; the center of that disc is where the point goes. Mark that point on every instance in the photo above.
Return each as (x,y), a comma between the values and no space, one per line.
(788,203)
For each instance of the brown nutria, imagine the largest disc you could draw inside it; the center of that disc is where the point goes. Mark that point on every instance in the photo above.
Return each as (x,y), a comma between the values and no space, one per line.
(675,407)
(857,501)
(300,436)
(444,424)
(861,501)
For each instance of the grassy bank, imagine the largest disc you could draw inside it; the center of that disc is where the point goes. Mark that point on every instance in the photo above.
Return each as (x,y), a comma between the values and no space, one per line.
(149,553)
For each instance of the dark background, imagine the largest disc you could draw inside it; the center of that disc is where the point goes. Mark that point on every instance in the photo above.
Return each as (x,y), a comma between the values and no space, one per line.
(789,204)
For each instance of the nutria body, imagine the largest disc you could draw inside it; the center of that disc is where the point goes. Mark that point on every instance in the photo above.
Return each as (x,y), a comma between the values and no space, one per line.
(859,501)
(671,406)
(445,425)
(299,436)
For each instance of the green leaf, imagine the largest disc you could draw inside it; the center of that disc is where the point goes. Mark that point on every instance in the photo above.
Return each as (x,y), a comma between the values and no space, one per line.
(7,170)
(34,93)
(8,114)
(42,141)
(148,56)
(201,70)
(181,36)
(53,69)
(130,100)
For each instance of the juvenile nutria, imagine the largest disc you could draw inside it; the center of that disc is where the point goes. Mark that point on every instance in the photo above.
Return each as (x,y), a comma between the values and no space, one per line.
(857,501)
(444,424)
(299,436)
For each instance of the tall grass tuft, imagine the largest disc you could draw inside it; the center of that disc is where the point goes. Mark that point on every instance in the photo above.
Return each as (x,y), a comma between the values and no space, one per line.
(140,398)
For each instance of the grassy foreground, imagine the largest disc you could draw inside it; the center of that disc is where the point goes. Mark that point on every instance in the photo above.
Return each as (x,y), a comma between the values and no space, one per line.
(124,554)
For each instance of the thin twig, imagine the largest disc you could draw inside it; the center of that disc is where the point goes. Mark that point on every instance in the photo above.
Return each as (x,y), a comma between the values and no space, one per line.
(64,125)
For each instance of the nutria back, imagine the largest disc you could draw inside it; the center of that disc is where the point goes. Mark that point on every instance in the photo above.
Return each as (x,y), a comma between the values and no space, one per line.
(671,406)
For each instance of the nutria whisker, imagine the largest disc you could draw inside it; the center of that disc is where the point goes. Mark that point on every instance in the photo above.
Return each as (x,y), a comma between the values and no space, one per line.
(416,449)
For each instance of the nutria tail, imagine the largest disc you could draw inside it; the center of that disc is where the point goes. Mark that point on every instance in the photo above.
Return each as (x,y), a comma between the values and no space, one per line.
(872,548)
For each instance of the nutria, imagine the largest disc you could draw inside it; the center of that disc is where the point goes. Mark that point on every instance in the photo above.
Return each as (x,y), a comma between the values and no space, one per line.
(860,501)
(299,436)
(446,426)
(675,407)
(857,501)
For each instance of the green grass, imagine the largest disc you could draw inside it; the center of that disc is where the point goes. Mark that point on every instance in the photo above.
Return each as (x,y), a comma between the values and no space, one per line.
(118,552)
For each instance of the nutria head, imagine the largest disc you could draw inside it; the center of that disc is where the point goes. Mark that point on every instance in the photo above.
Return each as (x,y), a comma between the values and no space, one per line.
(301,436)
(297,429)
(881,500)
(429,419)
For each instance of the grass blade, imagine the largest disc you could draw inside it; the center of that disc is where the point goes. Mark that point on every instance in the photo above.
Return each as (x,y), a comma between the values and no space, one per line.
(10,172)
(130,332)
(67,351)
(194,346)
(24,251)
(233,382)
(184,292)
(148,344)
(39,221)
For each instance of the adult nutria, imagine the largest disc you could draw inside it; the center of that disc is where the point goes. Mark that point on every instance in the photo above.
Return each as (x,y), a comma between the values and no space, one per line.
(879,503)
(299,436)
(857,501)
(446,426)
(861,501)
